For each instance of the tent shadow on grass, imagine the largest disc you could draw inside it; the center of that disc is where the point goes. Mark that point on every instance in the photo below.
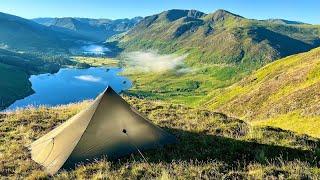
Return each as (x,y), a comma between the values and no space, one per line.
(203,147)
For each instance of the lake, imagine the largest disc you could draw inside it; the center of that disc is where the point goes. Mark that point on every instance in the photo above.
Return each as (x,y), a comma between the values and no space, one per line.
(71,85)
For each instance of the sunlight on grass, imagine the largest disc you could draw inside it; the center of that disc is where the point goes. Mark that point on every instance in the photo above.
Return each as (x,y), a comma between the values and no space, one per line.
(294,121)
(276,91)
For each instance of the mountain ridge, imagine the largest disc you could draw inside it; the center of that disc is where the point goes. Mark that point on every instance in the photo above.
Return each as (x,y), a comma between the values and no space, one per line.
(95,29)
(220,37)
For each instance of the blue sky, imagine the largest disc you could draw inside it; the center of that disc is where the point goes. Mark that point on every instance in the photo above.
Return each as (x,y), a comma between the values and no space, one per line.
(300,10)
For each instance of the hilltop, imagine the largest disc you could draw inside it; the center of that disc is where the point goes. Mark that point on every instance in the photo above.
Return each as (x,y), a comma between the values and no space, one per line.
(212,145)
(284,94)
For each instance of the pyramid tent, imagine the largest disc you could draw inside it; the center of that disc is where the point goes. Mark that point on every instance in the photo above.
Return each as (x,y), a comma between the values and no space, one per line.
(109,127)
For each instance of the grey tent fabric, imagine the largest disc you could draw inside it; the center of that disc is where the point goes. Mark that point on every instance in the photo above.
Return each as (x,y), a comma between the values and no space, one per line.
(109,127)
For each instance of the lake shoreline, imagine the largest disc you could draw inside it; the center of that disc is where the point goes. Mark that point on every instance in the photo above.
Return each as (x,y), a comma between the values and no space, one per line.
(86,63)
(85,80)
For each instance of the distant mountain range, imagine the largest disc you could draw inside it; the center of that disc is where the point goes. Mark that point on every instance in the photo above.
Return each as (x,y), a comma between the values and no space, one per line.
(22,34)
(221,37)
(57,34)
(93,29)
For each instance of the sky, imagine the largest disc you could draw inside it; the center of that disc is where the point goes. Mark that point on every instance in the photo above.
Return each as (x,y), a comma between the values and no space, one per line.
(299,10)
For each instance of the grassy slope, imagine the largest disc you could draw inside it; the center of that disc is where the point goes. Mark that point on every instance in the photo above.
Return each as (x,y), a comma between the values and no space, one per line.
(284,94)
(211,146)
(14,84)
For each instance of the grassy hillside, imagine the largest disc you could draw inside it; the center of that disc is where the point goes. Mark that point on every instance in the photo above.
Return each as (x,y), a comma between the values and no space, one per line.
(211,145)
(284,94)
(220,37)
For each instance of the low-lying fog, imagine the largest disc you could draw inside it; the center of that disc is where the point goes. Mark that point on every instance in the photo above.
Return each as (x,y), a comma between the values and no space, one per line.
(151,61)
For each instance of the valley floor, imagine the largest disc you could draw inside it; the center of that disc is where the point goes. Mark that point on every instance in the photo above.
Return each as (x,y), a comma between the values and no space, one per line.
(211,145)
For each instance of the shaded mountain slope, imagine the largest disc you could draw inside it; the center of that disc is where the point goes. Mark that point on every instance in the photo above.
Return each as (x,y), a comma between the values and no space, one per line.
(22,34)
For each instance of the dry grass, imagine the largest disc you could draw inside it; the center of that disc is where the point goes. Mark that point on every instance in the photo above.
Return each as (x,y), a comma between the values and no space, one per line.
(212,146)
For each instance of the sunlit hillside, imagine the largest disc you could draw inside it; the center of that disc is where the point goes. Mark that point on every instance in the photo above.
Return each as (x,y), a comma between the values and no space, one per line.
(283,94)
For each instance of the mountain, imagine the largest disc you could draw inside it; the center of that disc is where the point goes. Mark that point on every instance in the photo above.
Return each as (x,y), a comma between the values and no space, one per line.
(218,50)
(22,34)
(284,94)
(94,29)
(220,37)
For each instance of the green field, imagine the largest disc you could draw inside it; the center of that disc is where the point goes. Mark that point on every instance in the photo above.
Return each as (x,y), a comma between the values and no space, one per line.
(187,88)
